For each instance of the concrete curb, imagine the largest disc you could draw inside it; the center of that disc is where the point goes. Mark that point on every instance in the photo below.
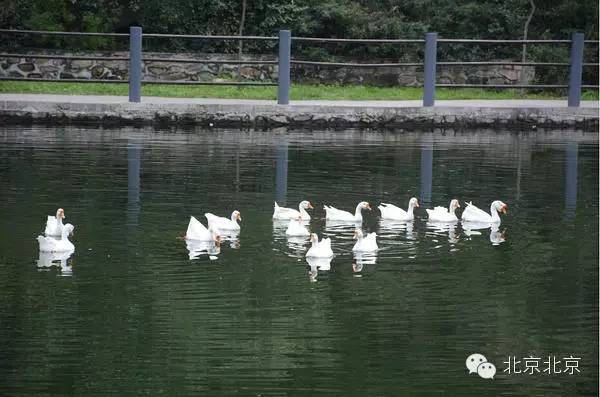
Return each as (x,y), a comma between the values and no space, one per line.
(315,114)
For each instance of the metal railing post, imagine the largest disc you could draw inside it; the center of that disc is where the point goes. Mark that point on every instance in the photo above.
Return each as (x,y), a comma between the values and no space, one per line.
(575,69)
(135,63)
(283,79)
(429,69)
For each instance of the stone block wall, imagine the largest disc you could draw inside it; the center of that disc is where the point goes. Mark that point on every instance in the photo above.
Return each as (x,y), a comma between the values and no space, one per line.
(222,72)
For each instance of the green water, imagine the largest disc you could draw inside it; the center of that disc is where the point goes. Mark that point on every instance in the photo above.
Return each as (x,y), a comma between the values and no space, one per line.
(130,314)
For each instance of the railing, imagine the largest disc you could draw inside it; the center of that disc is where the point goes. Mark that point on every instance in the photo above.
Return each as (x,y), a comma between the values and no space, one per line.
(284,61)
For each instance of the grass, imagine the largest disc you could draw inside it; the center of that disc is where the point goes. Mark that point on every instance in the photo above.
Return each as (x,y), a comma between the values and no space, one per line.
(298,91)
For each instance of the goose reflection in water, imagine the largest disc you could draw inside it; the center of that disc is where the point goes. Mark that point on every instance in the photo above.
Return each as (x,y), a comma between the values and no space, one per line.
(196,248)
(316,264)
(361,259)
(297,246)
(449,228)
(391,227)
(347,227)
(497,237)
(60,259)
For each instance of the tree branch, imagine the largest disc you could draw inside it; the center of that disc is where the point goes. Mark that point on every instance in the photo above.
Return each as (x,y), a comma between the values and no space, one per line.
(526,29)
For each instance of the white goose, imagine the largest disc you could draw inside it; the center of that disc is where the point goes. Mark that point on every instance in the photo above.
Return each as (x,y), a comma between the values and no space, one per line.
(220,223)
(319,249)
(365,244)
(54,224)
(296,228)
(50,244)
(474,214)
(391,212)
(198,232)
(333,214)
(290,213)
(441,214)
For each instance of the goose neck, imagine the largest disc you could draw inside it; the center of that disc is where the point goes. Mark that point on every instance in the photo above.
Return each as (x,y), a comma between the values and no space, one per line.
(358,213)
(494,213)
(303,213)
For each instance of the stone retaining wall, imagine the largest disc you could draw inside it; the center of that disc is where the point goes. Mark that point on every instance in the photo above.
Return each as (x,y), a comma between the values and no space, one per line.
(214,72)
(267,115)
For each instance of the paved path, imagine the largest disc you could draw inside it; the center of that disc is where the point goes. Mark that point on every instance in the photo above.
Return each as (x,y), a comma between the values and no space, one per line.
(474,103)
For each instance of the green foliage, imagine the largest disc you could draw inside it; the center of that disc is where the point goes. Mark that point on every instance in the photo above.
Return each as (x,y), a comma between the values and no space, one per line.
(495,19)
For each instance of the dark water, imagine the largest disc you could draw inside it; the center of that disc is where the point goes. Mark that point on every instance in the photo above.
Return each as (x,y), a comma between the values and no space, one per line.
(130,314)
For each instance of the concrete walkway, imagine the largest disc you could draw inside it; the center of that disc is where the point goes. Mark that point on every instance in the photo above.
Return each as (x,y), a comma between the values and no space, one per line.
(475,103)
(312,113)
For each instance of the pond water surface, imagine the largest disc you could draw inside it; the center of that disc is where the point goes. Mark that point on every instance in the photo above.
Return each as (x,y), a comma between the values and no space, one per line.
(129,313)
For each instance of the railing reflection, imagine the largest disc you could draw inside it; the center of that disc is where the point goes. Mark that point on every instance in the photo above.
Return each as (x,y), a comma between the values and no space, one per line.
(571,157)
(426,170)
(281,171)
(134,155)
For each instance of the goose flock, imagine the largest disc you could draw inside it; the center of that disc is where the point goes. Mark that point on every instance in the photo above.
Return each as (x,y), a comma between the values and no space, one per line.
(55,245)
(207,239)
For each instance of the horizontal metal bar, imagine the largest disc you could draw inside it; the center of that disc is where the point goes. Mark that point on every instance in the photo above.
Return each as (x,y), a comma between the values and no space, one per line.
(499,63)
(502,85)
(273,62)
(366,41)
(243,83)
(64,80)
(275,38)
(209,61)
(187,82)
(57,33)
(494,41)
(77,57)
(207,37)
(512,63)
(240,83)
(154,82)
(363,65)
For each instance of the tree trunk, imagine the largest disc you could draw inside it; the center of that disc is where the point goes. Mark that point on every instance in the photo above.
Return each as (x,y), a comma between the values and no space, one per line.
(241,31)
(525,30)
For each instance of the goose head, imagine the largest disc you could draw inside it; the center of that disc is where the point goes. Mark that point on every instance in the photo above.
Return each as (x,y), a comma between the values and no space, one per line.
(499,206)
(306,205)
(454,205)
(60,213)
(413,203)
(236,216)
(314,239)
(364,205)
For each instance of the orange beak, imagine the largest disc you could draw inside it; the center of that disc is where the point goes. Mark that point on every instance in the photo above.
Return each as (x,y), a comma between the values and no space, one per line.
(369,207)
(239,217)
(417,204)
(310,206)
(504,209)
